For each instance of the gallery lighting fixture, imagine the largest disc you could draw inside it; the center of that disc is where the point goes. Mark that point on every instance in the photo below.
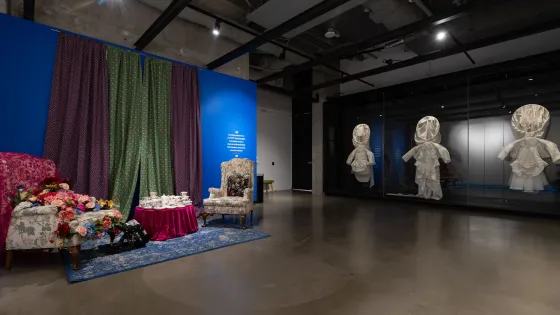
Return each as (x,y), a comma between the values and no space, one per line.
(504,106)
(380,115)
(530,79)
(442,106)
(441,35)
(536,94)
(216,30)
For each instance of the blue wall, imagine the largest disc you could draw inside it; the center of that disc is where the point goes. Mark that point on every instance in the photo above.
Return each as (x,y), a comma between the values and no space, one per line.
(228,113)
(228,104)
(26,68)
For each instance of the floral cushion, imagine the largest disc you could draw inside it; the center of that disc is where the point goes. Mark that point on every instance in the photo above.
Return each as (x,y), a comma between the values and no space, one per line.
(237,184)
(227,202)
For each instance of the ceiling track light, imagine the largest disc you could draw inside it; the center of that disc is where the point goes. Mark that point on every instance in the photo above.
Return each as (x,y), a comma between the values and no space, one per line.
(216,30)
(441,35)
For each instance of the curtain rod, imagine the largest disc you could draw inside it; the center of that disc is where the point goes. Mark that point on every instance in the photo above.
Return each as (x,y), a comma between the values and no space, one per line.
(126,48)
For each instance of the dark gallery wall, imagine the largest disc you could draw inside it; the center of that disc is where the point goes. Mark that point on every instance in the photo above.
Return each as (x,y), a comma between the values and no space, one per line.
(26,68)
(228,104)
(474,109)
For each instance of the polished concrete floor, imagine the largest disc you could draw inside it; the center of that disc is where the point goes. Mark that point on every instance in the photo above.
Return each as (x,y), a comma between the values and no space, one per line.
(327,255)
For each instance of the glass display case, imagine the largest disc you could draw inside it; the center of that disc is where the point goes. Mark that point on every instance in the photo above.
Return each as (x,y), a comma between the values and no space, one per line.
(474,110)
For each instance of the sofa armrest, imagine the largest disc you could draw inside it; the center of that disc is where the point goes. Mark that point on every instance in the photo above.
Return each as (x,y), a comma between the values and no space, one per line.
(248,194)
(41,210)
(215,192)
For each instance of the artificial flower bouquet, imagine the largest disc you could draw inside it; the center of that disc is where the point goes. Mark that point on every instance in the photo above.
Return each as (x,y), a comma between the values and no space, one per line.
(109,222)
(70,206)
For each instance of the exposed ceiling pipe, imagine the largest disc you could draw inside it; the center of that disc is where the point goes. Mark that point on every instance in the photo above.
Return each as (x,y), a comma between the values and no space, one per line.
(278,31)
(442,53)
(543,60)
(386,37)
(267,48)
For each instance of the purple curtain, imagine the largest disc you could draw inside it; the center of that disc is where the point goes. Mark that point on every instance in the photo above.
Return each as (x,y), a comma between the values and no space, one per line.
(185,121)
(77,137)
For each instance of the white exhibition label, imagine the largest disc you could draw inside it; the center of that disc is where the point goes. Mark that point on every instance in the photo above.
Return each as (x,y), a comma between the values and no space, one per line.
(236,143)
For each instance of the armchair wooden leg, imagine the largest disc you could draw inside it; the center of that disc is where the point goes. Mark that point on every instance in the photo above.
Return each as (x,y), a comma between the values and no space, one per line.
(243,220)
(9,259)
(251,216)
(204,216)
(75,251)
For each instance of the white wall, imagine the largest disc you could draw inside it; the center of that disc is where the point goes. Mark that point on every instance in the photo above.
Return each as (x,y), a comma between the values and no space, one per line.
(274,138)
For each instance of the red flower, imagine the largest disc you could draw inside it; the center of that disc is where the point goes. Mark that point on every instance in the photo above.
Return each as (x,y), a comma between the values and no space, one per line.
(63,230)
(107,224)
(116,231)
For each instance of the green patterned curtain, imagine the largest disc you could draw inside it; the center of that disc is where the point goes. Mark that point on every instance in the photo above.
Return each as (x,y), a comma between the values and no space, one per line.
(125,103)
(156,170)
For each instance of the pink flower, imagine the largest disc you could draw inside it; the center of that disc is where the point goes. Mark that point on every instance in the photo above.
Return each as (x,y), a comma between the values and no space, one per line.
(64,186)
(90,205)
(66,215)
(57,202)
(81,207)
(83,199)
(81,230)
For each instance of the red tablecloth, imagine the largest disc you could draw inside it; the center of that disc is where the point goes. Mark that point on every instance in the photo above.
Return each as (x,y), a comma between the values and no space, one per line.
(168,223)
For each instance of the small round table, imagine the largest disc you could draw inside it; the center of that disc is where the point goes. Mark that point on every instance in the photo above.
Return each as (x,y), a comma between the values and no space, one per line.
(164,224)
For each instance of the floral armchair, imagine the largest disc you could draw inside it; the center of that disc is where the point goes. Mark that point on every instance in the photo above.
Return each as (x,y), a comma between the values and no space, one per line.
(235,196)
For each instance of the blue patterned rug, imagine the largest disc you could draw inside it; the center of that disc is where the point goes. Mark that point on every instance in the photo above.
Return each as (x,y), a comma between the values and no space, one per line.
(95,262)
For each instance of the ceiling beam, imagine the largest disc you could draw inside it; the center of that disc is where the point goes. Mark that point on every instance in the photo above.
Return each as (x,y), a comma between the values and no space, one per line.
(274,33)
(171,12)
(527,31)
(396,34)
(29,10)
(274,42)
(502,68)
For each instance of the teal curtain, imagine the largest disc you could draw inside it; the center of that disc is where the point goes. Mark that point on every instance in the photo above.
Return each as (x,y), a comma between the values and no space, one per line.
(126,124)
(156,167)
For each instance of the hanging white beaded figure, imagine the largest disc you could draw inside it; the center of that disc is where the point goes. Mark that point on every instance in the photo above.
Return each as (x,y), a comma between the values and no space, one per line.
(427,153)
(362,159)
(529,123)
